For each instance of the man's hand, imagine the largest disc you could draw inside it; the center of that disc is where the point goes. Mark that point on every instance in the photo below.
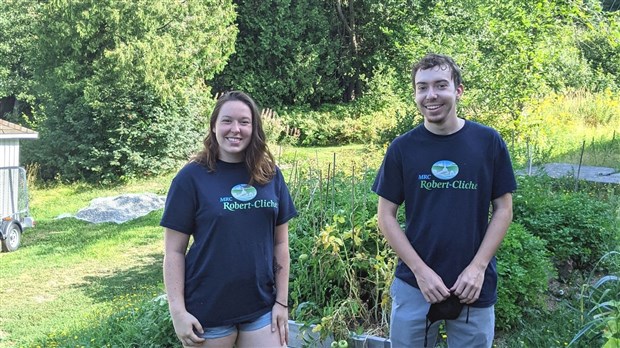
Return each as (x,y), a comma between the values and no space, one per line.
(469,284)
(432,286)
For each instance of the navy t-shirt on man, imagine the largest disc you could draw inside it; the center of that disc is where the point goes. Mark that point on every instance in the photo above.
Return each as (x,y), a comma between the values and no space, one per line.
(447,183)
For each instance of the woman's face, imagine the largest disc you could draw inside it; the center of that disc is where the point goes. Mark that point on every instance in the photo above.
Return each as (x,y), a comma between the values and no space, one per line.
(233,131)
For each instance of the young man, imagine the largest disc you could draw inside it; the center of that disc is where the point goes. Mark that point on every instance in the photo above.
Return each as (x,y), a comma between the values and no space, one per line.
(448,172)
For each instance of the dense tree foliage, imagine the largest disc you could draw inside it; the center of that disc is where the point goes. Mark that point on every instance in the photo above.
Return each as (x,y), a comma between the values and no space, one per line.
(120,84)
(284,54)
(601,48)
(310,52)
(16,43)
(115,86)
(512,52)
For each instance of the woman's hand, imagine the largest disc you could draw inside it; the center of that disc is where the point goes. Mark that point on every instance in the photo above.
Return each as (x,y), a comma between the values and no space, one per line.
(186,326)
(279,322)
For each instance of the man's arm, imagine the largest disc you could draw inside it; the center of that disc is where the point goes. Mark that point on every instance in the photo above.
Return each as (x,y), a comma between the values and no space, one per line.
(469,283)
(431,285)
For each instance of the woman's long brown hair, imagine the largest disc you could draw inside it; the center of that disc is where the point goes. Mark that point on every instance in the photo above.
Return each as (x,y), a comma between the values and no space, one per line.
(258,158)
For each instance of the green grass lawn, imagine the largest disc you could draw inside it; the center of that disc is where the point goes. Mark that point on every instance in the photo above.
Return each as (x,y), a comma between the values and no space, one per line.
(68,270)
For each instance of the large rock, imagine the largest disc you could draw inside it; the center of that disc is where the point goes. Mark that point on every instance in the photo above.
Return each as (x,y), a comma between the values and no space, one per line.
(119,209)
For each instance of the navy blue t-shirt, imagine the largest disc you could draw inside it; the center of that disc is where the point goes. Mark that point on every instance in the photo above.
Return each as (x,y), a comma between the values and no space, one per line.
(229,275)
(447,184)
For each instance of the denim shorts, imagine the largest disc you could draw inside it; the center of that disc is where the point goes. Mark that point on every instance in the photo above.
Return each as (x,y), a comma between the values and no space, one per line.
(227,330)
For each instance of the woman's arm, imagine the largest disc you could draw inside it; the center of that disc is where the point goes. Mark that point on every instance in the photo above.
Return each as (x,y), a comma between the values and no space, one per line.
(175,245)
(281,267)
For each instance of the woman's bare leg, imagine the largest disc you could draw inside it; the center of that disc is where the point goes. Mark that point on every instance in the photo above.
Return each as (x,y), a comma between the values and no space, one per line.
(261,338)
(222,342)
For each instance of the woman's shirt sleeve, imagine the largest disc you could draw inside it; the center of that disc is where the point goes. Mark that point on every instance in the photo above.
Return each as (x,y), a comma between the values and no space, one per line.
(180,208)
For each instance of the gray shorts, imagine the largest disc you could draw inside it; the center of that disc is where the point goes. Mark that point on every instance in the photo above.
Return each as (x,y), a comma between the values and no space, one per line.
(408,322)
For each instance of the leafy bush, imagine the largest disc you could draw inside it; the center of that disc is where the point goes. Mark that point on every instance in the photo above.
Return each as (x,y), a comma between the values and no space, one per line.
(364,120)
(405,121)
(523,268)
(579,228)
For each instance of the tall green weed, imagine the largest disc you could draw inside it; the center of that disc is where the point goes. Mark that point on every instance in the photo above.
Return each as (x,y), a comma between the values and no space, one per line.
(557,125)
(599,305)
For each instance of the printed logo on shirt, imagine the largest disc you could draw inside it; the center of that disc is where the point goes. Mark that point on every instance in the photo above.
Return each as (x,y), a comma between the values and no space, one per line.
(445,170)
(243,192)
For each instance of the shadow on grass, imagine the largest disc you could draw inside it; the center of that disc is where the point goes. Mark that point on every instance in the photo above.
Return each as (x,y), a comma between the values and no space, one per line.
(136,316)
(146,277)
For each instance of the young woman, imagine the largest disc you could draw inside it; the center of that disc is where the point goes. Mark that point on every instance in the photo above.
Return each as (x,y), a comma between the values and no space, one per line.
(231,287)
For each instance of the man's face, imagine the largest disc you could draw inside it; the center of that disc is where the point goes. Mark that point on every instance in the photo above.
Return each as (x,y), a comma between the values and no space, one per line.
(436,95)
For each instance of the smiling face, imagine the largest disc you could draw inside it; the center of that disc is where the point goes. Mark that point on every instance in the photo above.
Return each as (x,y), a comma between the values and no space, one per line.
(233,131)
(436,97)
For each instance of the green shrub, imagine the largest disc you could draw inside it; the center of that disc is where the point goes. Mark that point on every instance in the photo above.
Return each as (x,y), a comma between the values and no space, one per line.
(332,124)
(523,268)
(364,120)
(579,227)
(405,121)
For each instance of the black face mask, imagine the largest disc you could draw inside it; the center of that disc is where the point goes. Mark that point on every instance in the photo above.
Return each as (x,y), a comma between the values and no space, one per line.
(449,309)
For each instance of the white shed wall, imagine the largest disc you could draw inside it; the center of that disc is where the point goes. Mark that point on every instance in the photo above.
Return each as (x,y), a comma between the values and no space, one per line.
(9,152)
(10,194)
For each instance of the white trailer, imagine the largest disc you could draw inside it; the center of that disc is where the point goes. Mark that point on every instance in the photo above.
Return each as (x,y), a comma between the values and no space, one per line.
(14,210)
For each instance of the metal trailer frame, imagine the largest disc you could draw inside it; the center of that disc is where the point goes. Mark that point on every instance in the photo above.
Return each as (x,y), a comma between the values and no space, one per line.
(14,207)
